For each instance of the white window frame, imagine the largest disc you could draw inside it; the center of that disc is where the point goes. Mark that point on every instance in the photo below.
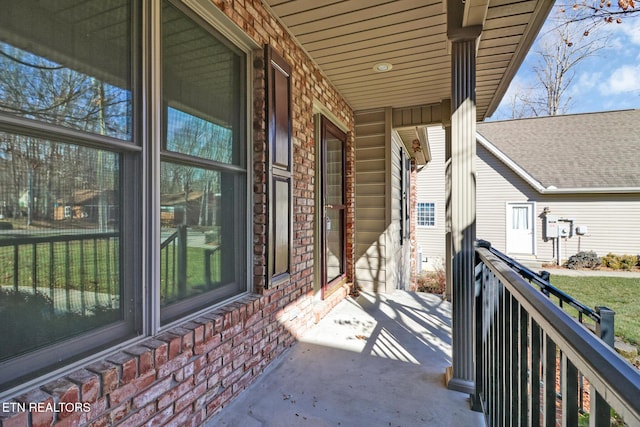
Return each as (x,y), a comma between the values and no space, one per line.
(420,216)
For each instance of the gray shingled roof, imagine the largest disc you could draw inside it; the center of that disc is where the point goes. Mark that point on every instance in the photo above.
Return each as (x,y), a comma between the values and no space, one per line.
(595,150)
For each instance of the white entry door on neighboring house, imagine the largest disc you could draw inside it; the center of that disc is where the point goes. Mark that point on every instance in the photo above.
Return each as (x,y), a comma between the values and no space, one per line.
(520,228)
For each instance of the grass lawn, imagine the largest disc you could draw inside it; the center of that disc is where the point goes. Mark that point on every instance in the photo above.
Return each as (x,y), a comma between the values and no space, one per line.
(620,294)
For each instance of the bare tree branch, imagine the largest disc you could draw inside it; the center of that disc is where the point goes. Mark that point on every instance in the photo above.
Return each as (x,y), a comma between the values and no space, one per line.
(557,55)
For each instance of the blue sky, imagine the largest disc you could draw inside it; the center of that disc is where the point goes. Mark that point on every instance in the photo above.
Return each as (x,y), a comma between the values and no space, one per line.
(609,80)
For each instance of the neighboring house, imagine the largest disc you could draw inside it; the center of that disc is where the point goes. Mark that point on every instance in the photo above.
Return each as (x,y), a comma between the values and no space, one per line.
(85,204)
(307,123)
(582,171)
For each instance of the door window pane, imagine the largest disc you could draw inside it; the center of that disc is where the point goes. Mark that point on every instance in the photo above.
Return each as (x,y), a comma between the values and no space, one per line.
(59,242)
(335,170)
(520,218)
(335,243)
(49,73)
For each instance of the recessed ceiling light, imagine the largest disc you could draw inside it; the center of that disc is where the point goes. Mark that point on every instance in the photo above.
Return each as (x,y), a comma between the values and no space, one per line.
(382,67)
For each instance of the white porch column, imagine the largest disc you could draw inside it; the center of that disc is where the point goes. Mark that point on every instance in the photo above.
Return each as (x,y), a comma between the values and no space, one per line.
(461,375)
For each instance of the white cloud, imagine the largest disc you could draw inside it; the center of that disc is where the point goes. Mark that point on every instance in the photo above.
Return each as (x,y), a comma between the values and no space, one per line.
(624,79)
(631,28)
(585,82)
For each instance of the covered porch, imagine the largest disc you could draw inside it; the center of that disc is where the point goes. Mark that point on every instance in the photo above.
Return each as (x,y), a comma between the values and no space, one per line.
(378,360)
(375,360)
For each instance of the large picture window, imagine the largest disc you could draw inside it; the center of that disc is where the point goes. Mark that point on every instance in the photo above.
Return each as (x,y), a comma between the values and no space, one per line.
(94,153)
(203,176)
(66,127)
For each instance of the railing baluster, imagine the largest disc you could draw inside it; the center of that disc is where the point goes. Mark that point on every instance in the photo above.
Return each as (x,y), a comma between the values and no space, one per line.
(569,383)
(476,402)
(96,280)
(534,397)
(600,411)
(549,350)
(166,271)
(34,267)
(16,267)
(494,350)
(506,356)
(182,261)
(51,272)
(173,271)
(83,306)
(108,271)
(514,359)
(499,352)
(486,338)
(523,368)
(67,275)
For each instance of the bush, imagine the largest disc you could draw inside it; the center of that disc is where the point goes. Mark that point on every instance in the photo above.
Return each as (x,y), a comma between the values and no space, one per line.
(434,282)
(584,259)
(29,320)
(620,262)
(6,226)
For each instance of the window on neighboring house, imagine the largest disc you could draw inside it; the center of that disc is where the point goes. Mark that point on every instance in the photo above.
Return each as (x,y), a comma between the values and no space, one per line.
(426,214)
(83,178)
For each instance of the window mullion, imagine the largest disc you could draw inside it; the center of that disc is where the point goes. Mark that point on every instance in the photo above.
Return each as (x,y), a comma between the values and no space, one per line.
(152,137)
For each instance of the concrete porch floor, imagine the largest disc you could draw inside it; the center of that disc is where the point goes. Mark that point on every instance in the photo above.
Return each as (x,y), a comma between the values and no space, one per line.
(373,361)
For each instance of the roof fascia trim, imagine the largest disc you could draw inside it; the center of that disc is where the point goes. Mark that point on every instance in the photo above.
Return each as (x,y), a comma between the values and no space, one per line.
(592,190)
(531,32)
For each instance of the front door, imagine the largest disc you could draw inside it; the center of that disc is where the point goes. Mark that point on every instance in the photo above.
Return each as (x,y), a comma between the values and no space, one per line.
(332,161)
(520,235)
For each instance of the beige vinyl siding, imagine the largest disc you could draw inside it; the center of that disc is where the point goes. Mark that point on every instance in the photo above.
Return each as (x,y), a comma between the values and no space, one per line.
(382,261)
(612,220)
(431,188)
(496,185)
(613,223)
(371,222)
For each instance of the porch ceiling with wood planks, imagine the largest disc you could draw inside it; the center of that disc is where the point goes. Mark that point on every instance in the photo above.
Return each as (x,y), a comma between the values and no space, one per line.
(346,38)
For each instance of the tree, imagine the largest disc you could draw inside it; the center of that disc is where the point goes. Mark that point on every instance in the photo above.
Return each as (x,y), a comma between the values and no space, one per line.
(556,56)
(41,172)
(597,12)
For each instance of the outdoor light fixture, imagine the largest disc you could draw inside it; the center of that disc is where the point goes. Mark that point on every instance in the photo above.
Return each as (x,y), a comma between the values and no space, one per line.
(382,67)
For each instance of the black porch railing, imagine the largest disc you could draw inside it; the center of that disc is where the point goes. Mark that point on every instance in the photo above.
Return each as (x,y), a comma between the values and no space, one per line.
(531,356)
(174,254)
(78,272)
(602,317)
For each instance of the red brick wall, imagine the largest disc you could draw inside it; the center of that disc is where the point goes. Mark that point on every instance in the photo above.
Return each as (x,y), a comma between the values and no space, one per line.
(185,375)
(413,223)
